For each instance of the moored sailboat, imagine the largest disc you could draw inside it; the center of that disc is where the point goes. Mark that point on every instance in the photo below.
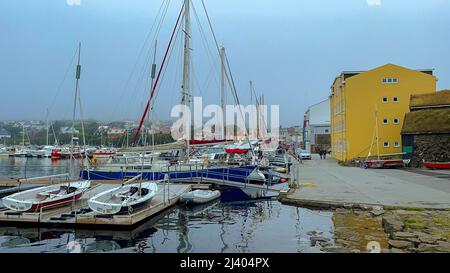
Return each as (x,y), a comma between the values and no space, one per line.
(47,196)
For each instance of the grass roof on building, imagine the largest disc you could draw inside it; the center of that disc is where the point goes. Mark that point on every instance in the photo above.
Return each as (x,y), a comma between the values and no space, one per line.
(427,121)
(431,99)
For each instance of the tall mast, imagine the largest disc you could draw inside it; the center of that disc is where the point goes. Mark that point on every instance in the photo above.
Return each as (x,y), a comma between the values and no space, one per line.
(222,90)
(185,88)
(376,132)
(152,77)
(23,134)
(77,77)
(47,129)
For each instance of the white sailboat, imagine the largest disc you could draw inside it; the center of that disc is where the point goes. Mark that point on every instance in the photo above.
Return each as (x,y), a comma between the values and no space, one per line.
(124,198)
(52,195)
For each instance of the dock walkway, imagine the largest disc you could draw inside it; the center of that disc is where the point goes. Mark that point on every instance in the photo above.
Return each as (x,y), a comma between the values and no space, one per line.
(80,214)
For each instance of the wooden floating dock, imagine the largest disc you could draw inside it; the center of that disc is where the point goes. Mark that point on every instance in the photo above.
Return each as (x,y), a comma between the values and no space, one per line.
(80,214)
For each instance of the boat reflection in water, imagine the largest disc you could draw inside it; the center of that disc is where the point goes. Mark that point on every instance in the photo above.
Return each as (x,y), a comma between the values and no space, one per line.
(237,227)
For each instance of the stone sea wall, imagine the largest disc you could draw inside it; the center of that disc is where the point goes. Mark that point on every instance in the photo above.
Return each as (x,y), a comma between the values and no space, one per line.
(432,148)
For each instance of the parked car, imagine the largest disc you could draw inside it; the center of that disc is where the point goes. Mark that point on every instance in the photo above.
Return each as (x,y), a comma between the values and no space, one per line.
(304,154)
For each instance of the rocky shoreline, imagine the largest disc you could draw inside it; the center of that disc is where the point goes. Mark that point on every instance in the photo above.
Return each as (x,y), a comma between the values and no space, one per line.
(388,231)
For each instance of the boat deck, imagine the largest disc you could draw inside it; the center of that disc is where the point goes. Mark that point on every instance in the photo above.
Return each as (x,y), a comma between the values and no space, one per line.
(80,214)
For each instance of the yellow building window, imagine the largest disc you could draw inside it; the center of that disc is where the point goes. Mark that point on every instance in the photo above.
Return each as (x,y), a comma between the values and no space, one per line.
(390,80)
(396,121)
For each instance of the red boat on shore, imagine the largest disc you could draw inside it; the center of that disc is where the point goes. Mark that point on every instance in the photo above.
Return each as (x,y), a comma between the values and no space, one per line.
(437,165)
(383,163)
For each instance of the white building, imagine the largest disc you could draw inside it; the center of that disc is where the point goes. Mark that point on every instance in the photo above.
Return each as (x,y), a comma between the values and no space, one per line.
(316,129)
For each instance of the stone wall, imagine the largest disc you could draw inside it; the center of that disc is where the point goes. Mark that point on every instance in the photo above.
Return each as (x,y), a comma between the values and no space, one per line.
(432,148)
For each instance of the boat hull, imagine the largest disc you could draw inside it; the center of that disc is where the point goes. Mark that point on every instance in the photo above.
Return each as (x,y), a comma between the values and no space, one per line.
(196,197)
(380,164)
(437,165)
(14,202)
(235,174)
(110,208)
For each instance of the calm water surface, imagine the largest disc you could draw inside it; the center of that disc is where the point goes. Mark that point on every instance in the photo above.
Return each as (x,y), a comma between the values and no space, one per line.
(256,226)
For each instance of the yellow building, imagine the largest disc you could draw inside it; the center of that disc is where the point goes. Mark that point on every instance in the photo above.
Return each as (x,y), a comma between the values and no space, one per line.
(358,96)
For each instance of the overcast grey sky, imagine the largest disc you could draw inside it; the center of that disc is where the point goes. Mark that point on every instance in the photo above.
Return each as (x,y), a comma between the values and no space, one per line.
(291,49)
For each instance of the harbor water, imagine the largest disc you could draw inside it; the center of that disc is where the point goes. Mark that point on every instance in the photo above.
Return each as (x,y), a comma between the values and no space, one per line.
(234,227)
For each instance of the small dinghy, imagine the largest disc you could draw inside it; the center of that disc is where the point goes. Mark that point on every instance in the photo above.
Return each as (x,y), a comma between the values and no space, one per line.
(46,196)
(199,196)
(123,198)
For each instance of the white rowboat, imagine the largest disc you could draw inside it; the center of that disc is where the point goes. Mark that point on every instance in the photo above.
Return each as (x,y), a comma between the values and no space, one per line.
(199,196)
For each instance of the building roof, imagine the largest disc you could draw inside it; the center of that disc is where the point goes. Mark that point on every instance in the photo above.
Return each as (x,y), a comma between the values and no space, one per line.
(431,100)
(427,121)
(350,73)
(319,113)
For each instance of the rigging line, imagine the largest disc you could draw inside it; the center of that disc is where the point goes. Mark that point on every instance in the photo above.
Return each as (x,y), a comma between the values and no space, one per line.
(58,90)
(145,67)
(164,73)
(165,69)
(159,74)
(231,83)
(140,53)
(238,104)
(259,102)
(205,43)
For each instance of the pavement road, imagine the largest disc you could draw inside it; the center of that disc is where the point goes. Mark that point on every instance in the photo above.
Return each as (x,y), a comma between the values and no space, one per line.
(326,181)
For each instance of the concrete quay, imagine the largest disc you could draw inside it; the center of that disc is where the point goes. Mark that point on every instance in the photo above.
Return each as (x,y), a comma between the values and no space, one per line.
(326,184)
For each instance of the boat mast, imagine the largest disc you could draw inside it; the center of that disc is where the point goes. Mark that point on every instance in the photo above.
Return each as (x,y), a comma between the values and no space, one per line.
(152,76)
(47,129)
(23,134)
(77,77)
(222,91)
(376,132)
(185,88)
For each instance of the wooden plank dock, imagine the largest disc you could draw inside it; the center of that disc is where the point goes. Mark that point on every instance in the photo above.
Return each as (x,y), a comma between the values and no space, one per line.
(79,213)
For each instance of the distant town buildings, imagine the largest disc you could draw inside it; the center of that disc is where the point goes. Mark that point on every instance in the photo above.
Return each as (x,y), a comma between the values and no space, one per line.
(360,98)
(426,129)
(293,134)
(68,130)
(316,127)
(4,134)
(116,132)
